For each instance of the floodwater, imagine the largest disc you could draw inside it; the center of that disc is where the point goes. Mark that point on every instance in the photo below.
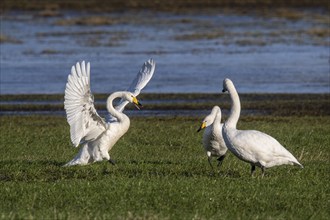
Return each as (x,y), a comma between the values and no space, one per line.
(194,52)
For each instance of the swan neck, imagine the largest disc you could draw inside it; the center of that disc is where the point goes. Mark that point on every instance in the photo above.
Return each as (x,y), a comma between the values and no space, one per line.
(120,116)
(235,110)
(217,118)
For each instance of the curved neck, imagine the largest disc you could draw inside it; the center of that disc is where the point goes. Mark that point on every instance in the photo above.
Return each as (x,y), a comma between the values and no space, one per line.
(235,110)
(120,116)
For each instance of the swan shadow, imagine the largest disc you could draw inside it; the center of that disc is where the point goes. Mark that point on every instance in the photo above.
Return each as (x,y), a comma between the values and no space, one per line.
(152,162)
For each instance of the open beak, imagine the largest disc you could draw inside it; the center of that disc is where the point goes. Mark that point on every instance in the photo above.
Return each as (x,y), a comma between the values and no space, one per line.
(137,103)
(202,127)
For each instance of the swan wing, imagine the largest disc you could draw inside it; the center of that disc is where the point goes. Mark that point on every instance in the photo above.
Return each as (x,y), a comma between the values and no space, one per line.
(85,123)
(141,80)
(261,147)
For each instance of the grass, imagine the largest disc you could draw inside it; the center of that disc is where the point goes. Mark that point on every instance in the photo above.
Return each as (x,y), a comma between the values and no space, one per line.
(161,173)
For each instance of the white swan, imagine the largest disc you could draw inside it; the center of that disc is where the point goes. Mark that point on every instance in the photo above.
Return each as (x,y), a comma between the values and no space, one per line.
(213,142)
(97,135)
(254,147)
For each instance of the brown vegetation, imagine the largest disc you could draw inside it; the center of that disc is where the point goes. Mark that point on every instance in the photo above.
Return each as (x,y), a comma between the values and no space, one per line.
(169,5)
(91,20)
(7,39)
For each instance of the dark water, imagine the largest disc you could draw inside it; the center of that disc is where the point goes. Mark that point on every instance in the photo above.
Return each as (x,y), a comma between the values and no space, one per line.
(193,52)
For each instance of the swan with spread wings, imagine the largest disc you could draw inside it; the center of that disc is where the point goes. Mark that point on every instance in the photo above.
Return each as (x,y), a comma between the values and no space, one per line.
(94,134)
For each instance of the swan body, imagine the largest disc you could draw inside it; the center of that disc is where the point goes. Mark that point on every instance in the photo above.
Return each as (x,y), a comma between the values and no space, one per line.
(213,142)
(95,134)
(254,147)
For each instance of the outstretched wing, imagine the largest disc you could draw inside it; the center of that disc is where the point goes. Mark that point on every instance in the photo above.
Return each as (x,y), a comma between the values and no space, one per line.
(141,80)
(85,123)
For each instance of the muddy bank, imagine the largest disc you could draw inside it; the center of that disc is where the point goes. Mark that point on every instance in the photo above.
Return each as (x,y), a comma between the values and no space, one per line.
(181,104)
(49,7)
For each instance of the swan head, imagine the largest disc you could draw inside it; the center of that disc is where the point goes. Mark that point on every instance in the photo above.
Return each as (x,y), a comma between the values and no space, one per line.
(208,120)
(132,99)
(226,83)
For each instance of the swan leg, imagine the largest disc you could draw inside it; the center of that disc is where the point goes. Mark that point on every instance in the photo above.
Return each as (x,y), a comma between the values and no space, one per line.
(220,159)
(212,169)
(105,156)
(263,171)
(209,157)
(112,161)
(253,168)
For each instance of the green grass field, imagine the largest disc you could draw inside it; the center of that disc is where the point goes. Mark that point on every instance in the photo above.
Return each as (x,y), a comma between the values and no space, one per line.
(161,173)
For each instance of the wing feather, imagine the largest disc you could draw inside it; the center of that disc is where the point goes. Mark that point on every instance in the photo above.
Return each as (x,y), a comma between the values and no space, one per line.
(141,80)
(85,123)
(83,68)
(78,70)
(143,77)
(88,73)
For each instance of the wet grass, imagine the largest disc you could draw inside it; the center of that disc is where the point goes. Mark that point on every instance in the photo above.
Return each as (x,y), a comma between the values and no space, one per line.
(203,30)
(50,51)
(161,173)
(276,30)
(90,21)
(314,36)
(90,38)
(8,39)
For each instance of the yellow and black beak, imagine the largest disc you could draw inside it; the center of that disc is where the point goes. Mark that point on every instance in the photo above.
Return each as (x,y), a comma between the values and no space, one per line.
(202,127)
(137,103)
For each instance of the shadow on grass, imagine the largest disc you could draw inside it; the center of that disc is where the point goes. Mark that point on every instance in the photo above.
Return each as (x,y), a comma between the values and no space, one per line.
(24,163)
(154,162)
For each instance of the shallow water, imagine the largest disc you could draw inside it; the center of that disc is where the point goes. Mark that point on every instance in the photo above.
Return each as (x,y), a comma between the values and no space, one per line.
(193,52)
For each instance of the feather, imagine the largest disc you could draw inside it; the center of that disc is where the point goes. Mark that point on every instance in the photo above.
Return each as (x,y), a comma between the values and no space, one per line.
(141,80)
(78,104)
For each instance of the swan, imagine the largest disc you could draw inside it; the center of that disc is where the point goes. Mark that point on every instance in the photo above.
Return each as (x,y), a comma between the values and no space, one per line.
(254,147)
(95,134)
(213,142)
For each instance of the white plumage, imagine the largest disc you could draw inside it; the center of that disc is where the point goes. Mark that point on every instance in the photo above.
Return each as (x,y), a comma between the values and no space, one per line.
(213,142)
(140,81)
(254,147)
(96,134)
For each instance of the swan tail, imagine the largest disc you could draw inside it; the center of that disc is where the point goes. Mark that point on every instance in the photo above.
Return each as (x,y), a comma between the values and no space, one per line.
(297,163)
(82,158)
(75,162)
(294,161)
(71,163)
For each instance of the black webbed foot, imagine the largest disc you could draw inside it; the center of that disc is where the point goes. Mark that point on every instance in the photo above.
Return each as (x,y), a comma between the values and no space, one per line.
(220,160)
(253,169)
(112,162)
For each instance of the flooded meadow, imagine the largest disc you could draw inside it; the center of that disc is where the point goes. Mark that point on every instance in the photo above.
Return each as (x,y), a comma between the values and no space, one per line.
(273,52)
